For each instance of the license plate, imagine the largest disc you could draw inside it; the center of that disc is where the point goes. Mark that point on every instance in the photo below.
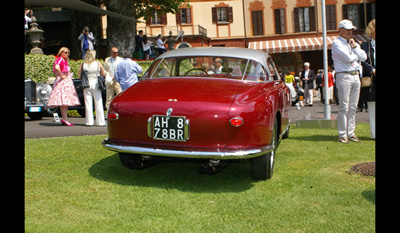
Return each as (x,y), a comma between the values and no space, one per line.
(34,109)
(172,128)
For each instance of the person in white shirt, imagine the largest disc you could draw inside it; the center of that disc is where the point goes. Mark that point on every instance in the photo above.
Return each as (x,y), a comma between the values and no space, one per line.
(161,44)
(27,18)
(146,47)
(346,55)
(113,88)
(218,65)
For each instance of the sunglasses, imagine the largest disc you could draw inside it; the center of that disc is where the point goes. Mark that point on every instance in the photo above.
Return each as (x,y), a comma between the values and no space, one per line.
(66,52)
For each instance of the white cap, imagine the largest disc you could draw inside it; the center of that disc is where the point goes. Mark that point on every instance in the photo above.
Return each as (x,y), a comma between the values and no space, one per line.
(347,24)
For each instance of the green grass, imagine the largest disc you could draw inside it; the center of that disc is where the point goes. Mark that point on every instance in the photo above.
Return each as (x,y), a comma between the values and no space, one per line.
(72,184)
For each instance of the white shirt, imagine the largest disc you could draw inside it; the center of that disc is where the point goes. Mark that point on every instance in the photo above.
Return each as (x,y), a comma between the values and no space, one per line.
(160,44)
(27,20)
(219,70)
(146,46)
(346,58)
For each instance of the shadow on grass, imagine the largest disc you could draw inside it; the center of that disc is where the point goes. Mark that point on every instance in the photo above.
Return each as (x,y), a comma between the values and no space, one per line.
(332,138)
(326,138)
(183,176)
(369,195)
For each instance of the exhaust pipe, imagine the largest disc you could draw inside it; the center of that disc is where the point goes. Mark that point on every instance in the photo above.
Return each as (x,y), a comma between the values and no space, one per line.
(212,167)
(143,162)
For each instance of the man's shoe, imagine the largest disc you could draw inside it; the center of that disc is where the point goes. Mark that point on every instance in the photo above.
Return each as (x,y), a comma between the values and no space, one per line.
(354,138)
(343,140)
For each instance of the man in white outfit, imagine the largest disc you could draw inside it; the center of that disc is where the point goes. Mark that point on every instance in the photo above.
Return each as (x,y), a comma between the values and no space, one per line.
(346,55)
(112,86)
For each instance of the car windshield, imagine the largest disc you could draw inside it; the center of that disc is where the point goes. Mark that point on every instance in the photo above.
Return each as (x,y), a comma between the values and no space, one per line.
(208,67)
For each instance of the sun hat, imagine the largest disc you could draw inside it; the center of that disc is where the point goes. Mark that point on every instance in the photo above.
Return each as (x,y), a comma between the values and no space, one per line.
(347,24)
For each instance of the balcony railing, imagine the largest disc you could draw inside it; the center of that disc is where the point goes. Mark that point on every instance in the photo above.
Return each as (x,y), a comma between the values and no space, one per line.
(155,29)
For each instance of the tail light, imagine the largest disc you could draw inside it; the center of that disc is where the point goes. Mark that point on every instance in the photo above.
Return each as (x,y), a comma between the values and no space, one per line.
(236,121)
(113,116)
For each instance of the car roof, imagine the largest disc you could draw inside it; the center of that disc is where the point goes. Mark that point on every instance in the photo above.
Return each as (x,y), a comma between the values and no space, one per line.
(218,52)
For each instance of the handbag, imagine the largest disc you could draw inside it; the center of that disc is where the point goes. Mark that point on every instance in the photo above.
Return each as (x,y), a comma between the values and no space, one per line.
(101,81)
(83,78)
(366,81)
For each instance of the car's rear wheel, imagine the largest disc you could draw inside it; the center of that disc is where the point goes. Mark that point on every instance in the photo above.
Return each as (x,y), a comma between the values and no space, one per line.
(262,167)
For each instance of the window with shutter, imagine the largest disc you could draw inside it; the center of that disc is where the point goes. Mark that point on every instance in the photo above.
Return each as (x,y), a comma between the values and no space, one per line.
(354,13)
(258,26)
(304,19)
(370,9)
(280,21)
(222,14)
(156,18)
(331,17)
(183,16)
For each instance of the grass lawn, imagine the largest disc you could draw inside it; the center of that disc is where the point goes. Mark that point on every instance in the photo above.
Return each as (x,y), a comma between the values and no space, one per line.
(72,184)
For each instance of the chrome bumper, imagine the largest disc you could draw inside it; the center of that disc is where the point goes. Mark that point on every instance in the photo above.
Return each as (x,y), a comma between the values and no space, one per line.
(240,154)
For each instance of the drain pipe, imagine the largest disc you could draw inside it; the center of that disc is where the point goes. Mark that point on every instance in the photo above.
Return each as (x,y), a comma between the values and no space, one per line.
(244,22)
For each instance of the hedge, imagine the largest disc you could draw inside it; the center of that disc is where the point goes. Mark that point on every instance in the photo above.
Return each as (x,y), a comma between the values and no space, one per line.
(39,67)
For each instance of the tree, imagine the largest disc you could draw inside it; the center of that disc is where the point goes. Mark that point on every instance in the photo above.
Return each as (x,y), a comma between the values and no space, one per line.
(145,8)
(121,33)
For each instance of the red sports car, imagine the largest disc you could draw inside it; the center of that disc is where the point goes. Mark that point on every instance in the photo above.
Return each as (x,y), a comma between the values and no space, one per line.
(212,104)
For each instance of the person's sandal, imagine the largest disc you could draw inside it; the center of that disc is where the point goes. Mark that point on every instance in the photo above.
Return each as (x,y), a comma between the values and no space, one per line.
(343,140)
(354,138)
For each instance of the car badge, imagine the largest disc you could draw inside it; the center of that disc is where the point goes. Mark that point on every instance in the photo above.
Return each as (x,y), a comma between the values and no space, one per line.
(172,100)
(169,111)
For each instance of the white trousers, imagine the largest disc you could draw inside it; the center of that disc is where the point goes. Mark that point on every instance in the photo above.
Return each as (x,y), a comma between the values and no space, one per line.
(93,93)
(308,94)
(349,91)
(330,92)
(371,113)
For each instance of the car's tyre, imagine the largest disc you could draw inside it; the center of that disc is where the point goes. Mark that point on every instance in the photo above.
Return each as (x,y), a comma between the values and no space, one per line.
(262,167)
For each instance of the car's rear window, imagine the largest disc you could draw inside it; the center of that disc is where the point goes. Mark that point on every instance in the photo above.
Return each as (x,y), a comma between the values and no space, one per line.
(208,67)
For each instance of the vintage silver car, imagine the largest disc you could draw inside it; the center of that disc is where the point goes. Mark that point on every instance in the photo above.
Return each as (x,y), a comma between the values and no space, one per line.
(36,97)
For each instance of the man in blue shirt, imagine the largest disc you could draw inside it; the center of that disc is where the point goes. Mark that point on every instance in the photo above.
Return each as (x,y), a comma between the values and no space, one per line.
(127,71)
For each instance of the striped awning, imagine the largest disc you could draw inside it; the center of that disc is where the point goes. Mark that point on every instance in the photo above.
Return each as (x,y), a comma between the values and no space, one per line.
(297,44)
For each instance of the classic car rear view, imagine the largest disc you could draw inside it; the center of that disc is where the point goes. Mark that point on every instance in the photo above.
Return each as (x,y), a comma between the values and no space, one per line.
(215,105)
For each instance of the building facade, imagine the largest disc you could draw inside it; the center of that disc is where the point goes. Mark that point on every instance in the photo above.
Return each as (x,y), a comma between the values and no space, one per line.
(290,30)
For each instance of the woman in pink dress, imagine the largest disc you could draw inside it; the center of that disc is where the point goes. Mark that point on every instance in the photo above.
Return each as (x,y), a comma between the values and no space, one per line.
(63,93)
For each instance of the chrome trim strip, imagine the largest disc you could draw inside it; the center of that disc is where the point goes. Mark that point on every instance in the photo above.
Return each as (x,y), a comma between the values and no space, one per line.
(286,129)
(245,154)
(186,129)
(149,129)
